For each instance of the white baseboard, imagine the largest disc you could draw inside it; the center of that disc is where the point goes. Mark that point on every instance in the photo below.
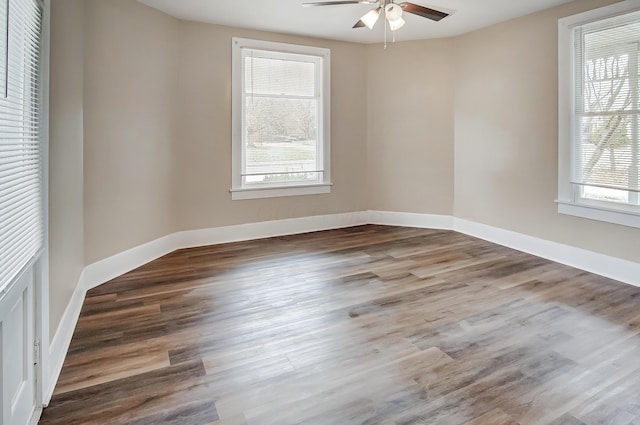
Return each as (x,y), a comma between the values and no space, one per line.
(267,229)
(429,221)
(102,271)
(62,338)
(600,264)
(35,416)
(604,265)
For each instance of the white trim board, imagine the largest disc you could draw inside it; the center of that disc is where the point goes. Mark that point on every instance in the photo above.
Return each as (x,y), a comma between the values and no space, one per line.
(116,265)
(62,339)
(35,416)
(102,271)
(600,264)
(427,221)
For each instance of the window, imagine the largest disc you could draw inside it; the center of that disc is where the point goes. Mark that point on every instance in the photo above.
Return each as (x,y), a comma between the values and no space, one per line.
(599,161)
(21,222)
(280,120)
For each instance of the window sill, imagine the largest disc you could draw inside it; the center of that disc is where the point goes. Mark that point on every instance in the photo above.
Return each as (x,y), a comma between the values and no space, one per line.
(626,215)
(279,191)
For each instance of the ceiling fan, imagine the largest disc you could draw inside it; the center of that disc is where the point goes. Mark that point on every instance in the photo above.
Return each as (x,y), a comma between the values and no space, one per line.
(392,11)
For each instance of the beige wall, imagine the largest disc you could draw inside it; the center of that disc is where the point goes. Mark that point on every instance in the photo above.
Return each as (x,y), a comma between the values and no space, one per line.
(141,137)
(158,129)
(410,127)
(130,74)
(66,216)
(202,151)
(506,134)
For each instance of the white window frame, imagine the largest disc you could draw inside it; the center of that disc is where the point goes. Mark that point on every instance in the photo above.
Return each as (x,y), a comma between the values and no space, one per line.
(240,191)
(569,199)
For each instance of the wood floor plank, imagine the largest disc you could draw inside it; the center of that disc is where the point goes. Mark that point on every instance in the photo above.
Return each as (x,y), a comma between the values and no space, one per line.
(495,417)
(109,364)
(369,325)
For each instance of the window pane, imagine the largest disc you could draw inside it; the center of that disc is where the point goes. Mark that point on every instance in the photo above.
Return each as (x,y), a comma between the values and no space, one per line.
(607,84)
(605,194)
(279,77)
(607,151)
(281,140)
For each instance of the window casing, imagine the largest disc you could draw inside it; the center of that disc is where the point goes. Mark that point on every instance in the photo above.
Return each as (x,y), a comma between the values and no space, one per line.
(599,113)
(280,120)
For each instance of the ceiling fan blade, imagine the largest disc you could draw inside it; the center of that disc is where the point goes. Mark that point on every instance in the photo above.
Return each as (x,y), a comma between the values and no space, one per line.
(333,3)
(359,24)
(425,12)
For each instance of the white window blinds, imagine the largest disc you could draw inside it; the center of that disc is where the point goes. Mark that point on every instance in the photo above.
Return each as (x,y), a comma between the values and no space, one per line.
(606,135)
(21,223)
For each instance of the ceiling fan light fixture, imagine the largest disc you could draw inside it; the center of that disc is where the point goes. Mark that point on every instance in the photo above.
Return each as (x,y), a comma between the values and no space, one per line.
(393,12)
(396,24)
(371,17)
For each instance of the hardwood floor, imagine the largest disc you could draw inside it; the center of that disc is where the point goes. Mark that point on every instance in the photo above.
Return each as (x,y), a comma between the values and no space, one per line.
(366,325)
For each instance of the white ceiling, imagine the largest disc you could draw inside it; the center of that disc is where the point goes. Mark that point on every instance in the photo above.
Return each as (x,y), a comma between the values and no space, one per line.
(335,22)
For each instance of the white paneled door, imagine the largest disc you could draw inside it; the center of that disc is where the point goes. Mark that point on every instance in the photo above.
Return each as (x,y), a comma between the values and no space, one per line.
(18,395)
